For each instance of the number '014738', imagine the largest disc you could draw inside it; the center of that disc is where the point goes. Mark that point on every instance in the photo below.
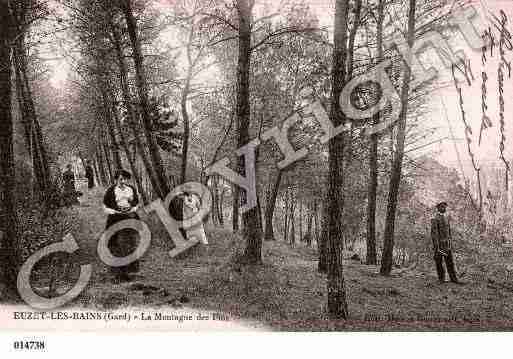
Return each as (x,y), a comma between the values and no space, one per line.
(29,345)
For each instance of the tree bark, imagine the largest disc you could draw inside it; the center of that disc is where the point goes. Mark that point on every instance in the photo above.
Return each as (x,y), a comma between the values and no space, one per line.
(371,257)
(316,221)
(309,223)
(105,145)
(102,161)
(270,207)
(252,232)
(337,304)
(395,177)
(215,198)
(33,136)
(142,90)
(352,39)
(186,128)
(131,113)
(322,243)
(99,180)
(292,234)
(286,220)
(130,158)
(235,208)
(300,220)
(107,109)
(114,145)
(8,221)
(101,167)
(220,208)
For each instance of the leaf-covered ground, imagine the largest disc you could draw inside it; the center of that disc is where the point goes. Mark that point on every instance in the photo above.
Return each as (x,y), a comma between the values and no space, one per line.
(287,292)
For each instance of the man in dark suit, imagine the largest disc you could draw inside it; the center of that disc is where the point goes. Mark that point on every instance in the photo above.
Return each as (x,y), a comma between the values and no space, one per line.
(89,173)
(441,237)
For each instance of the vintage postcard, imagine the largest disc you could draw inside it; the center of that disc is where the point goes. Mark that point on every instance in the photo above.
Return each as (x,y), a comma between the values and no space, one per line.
(255,166)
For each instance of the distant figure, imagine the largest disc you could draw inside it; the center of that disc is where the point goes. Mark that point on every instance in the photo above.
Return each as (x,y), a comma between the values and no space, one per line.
(191,206)
(69,192)
(120,203)
(441,237)
(89,173)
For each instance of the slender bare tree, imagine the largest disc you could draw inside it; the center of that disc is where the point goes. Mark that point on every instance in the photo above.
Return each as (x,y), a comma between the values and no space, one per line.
(337,304)
(397,164)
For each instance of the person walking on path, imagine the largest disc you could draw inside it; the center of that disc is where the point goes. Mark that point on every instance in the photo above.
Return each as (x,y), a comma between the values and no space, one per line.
(69,191)
(442,237)
(120,203)
(89,173)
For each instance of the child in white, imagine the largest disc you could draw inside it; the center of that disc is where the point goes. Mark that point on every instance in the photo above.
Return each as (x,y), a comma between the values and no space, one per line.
(191,206)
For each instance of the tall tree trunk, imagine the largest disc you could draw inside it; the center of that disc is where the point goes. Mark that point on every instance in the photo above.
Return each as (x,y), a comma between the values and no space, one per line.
(395,177)
(142,89)
(42,153)
(270,207)
(26,121)
(292,238)
(8,222)
(186,128)
(33,136)
(292,234)
(316,221)
(260,215)
(235,208)
(352,40)
(309,223)
(300,220)
(252,232)
(131,113)
(322,241)
(215,199)
(130,158)
(371,257)
(25,116)
(286,219)
(144,158)
(106,152)
(107,109)
(102,160)
(99,180)
(220,208)
(349,73)
(101,167)
(337,304)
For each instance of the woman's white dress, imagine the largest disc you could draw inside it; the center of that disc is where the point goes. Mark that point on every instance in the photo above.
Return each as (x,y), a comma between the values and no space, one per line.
(190,208)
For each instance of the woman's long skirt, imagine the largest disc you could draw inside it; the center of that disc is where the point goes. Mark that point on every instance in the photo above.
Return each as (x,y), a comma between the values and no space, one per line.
(123,243)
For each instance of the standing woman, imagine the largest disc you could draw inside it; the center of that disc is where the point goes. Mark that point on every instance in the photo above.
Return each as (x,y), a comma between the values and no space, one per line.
(120,203)
(89,173)
(69,190)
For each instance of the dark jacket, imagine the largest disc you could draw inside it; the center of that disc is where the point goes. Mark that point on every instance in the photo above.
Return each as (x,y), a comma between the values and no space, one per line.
(89,173)
(441,233)
(69,181)
(109,200)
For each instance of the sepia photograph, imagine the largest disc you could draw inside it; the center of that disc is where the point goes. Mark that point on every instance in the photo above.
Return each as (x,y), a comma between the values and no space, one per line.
(255,166)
